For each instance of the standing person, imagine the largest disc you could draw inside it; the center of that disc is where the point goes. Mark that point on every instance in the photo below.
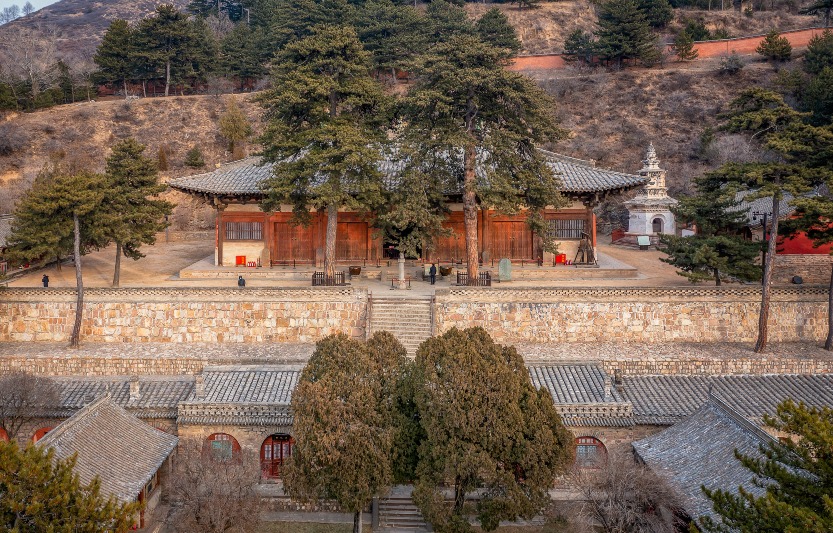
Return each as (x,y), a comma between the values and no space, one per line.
(241,282)
(433,273)
(45,280)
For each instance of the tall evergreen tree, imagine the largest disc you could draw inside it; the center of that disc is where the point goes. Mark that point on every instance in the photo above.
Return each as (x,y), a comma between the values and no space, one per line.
(797,474)
(466,111)
(487,429)
(658,13)
(447,20)
(323,130)
(43,494)
(819,53)
(168,42)
(775,47)
(58,215)
(244,53)
(393,34)
(131,217)
(494,28)
(296,19)
(234,125)
(114,56)
(343,425)
(624,33)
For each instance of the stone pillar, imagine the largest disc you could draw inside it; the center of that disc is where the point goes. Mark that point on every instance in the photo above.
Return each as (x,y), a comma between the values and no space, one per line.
(402,283)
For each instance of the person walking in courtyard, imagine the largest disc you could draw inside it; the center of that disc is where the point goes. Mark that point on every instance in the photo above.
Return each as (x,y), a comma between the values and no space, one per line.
(241,282)
(432,272)
(45,280)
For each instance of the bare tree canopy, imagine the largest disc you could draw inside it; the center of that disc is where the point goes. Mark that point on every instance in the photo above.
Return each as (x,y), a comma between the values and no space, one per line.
(23,397)
(213,493)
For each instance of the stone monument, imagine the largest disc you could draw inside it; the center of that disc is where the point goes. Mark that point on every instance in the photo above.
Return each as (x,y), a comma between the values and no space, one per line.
(504,270)
(650,211)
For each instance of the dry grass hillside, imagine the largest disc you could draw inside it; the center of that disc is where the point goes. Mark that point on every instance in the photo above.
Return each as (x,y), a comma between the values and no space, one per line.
(85,132)
(543,30)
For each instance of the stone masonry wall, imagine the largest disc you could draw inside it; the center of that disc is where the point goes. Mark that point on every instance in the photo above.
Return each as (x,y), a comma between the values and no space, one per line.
(814,269)
(644,315)
(215,315)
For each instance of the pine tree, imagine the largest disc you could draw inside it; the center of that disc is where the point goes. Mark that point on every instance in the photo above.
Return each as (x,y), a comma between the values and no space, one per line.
(580,46)
(658,12)
(296,19)
(343,422)
(234,125)
(781,130)
(41,493)
(797,474)
(58,216)
(194,157)
(817,97)
(130,216)
(465,111)
(323,130)
(624,33)
(244,53)
(684,47)
(446,21)
(774,47)
(115,55)
(487,429)
(819,53)
(494,29)
(393,34)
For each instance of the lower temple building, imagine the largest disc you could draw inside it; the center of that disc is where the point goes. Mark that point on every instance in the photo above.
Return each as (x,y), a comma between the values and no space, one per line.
(247,236)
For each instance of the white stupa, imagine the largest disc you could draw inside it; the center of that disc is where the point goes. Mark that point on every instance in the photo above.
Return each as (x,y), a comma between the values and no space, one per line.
(650,211)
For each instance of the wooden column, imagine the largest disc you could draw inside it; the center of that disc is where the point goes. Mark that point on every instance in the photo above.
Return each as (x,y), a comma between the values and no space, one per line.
(267,238)
(593,228)
(221,231)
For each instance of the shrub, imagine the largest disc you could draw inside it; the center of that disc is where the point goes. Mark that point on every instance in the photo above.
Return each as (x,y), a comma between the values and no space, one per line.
(162,159)
(684,47)
(774,47)
(819,53)
(11,139)
(731,64)
(194,158)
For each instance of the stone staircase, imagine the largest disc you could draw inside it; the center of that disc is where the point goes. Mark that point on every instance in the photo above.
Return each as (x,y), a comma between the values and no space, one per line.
(409,319)
(398,514)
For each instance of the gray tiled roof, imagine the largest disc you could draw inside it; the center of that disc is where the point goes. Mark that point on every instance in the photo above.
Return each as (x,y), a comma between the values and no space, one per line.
(5,229)
(250,384)
(243,177)
(667,399)
(699,451)
(761,205)
(112,444)
(158,395)
(570,384)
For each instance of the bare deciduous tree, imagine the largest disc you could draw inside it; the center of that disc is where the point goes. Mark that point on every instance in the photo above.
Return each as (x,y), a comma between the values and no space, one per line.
(212,493)
(29,53)
(23,397)
(627,497)
(28,9)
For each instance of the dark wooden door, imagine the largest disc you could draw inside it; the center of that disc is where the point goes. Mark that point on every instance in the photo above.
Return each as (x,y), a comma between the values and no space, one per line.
(274,452)
(293,242)
(351,241)
(511,239)
(453,247)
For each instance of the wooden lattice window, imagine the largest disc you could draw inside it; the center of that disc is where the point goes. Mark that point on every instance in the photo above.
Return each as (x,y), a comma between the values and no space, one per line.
(563,230)
(590,452)
(222,445)
(244,231)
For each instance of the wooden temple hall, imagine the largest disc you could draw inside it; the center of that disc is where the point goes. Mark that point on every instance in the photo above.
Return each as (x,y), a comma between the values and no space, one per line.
(246,236)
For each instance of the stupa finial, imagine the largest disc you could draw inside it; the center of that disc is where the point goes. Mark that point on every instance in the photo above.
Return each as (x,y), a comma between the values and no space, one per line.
(651,161)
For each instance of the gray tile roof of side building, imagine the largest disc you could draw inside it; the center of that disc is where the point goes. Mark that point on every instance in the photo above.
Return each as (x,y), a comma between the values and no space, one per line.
(243,177)
(112,444)
(158,396)
(700,451)
(665,400)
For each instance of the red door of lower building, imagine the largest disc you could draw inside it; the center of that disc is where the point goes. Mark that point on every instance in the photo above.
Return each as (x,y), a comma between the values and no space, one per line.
(274,452)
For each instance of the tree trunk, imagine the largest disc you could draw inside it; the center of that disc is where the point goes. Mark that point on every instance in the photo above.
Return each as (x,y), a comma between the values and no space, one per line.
(828,344)
(766,289)
(117,270)
(716,278)
(124,81)
(470,213)
(330,243)
(144,88)
(75,339)
(357,522)
(167,76)
(58,263)
(393,74)
(459,497)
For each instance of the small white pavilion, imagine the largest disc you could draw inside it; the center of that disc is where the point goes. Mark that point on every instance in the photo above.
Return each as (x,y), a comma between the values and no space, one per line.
(650,211)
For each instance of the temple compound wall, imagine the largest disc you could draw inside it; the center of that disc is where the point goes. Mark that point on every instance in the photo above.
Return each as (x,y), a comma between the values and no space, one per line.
(529,315)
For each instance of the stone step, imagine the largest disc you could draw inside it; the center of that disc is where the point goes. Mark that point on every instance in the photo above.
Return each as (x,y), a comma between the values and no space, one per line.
(400,328)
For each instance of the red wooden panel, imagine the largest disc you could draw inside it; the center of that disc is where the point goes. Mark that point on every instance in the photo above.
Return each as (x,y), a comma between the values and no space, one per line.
(511,239)
(351,241)
(452,247)
(293,242)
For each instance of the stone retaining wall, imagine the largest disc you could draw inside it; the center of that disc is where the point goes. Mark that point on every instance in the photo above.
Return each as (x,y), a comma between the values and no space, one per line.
(644,315)
(813,268)
(215,315)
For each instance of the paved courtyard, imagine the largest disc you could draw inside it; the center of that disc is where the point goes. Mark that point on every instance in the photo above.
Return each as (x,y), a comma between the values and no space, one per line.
(163,262)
